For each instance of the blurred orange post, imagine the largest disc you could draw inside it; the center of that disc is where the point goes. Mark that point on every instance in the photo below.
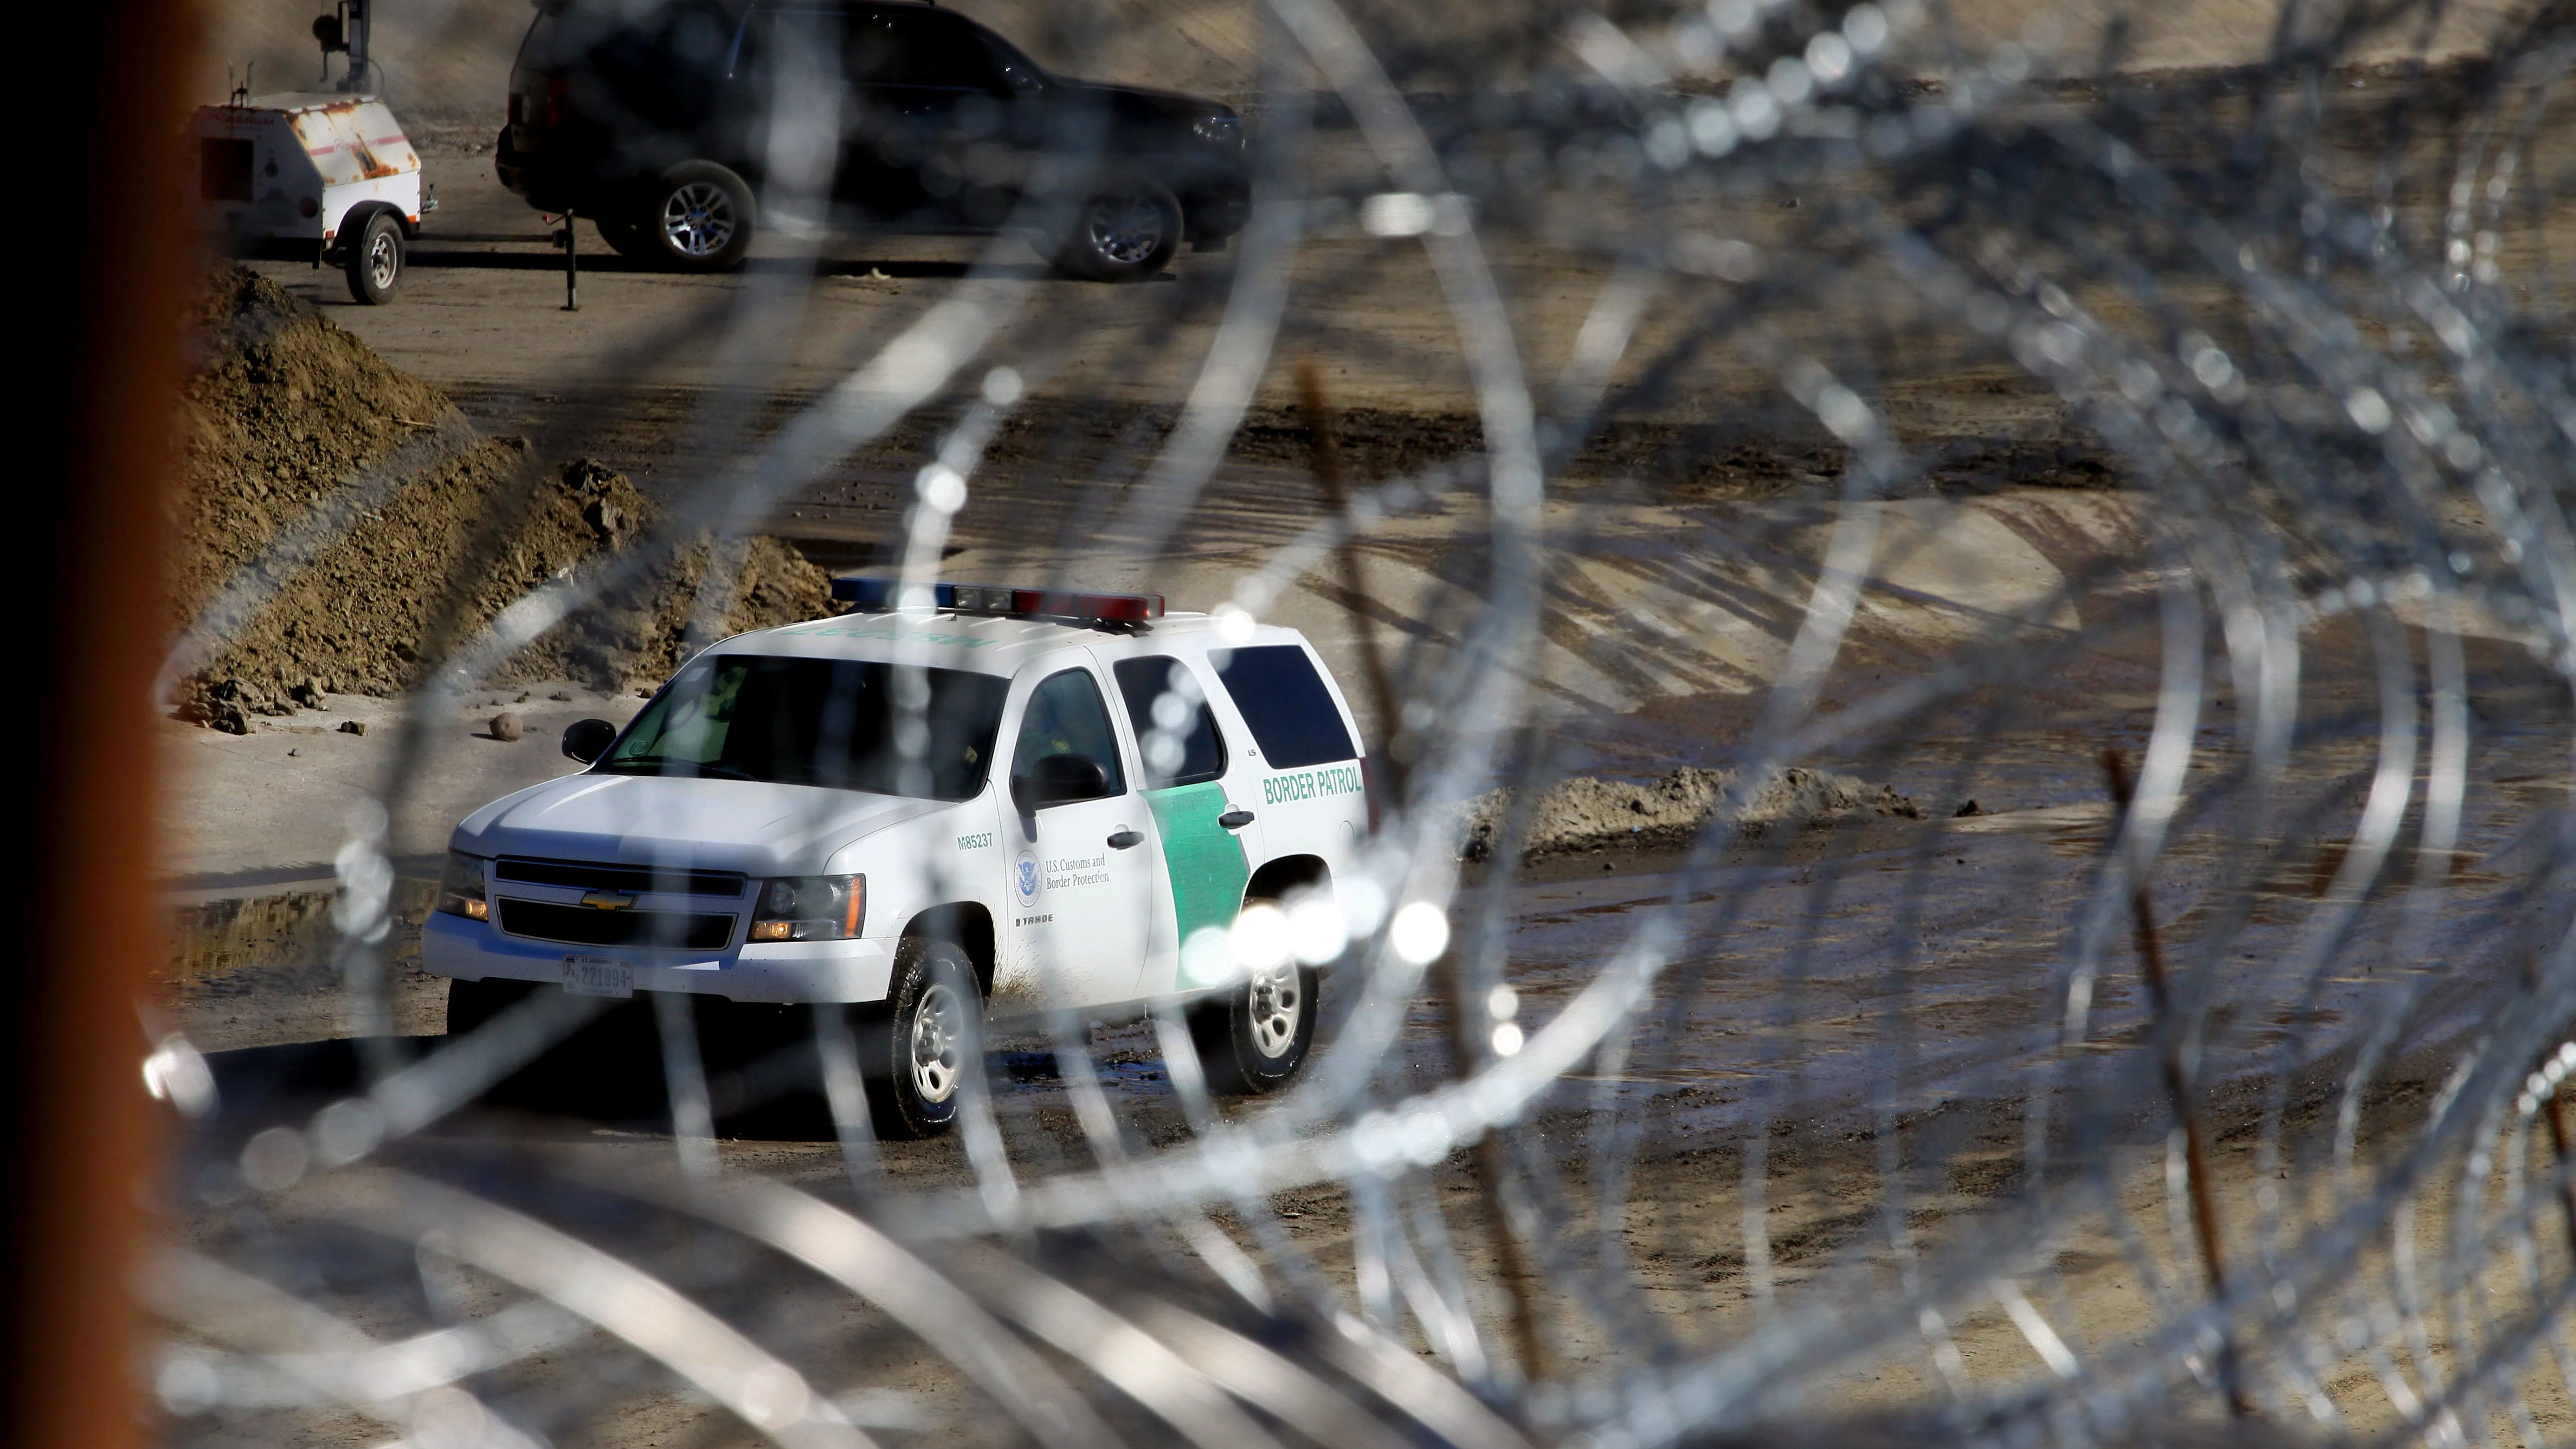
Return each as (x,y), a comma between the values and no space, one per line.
(101,280)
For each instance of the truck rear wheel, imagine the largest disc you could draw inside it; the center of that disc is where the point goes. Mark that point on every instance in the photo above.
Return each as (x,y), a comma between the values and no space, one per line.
(374,260)
(627,236)
(699,219)
(1253,1035)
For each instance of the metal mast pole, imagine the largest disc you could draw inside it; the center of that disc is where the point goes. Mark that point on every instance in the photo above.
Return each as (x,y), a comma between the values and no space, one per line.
(355,32)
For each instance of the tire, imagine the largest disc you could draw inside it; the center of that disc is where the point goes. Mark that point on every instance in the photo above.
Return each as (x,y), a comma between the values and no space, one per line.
(374,260)
(698,219)
(626,236)
(1253,1036)
(1124,234)
(917,1049)
(472,1003)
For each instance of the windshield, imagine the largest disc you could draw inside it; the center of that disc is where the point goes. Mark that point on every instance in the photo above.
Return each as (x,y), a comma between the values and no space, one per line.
(827,722)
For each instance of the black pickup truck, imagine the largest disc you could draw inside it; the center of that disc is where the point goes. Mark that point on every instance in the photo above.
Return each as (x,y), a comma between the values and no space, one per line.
(671,125)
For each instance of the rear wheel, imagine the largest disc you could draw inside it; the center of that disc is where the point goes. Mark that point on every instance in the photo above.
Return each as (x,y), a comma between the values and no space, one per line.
(374,260)
(1253,1035)
(930,1034)
(1125,234)
(627,236)
(700,218)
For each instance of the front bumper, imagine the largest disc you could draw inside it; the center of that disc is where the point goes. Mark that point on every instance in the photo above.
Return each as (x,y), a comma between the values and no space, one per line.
(770,971)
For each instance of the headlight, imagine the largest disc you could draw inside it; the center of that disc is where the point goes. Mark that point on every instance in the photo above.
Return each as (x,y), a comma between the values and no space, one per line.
(1221,130)
(460,887)
(810,908)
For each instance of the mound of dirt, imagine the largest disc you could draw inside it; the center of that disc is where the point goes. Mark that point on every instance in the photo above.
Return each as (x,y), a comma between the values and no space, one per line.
(1585,814)
(336,509)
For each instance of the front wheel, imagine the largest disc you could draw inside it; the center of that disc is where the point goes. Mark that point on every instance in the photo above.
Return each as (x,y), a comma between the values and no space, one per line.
(1253,1035)
(375,259)
(920,1048)
(1122,235)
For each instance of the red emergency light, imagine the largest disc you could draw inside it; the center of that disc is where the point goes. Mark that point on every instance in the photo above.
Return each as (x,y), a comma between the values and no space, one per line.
(1006,601)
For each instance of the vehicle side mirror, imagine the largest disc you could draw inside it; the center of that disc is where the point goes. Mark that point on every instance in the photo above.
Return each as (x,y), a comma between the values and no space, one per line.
(587,740)
(1058,780)
(326,29)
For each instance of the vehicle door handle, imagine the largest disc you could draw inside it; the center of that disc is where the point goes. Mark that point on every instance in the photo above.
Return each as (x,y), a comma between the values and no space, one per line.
(1126,838)
(1235,819)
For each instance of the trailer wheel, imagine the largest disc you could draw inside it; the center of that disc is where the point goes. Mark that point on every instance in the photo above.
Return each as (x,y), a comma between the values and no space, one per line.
(375,259)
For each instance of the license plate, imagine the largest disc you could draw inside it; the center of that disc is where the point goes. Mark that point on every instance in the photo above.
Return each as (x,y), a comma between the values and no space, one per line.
(597,976)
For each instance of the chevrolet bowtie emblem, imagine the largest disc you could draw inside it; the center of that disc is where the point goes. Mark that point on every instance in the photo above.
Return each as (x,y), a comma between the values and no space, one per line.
(609,900)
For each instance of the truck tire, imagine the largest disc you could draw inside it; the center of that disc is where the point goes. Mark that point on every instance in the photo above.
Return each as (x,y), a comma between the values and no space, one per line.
(918,1047)
(1253,1035)
(472,1003)
(699,218)
(626,236)
(374,258)
(1122,234)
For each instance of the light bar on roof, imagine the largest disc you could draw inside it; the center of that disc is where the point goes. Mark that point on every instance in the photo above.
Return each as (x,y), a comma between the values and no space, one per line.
(1006,601)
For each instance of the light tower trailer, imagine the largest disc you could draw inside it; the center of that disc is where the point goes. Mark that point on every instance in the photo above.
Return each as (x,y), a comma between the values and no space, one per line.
(316,176)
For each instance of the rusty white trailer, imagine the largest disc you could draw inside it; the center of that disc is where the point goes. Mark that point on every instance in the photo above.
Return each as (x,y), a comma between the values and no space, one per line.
(318,176)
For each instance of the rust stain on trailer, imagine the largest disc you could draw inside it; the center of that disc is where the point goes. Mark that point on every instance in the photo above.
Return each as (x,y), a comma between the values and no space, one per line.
(334,135)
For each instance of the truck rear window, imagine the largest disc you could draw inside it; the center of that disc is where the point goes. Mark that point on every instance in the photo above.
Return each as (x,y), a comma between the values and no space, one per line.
(1284,700)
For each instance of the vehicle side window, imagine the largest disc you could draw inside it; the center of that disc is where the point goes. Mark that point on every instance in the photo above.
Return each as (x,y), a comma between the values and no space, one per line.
(940,51)
(1285,702)
(872,51)
(1174,726)
(1066,717)
(658,68)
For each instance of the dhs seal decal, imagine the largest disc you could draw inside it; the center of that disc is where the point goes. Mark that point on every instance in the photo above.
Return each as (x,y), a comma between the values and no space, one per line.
(1024,877)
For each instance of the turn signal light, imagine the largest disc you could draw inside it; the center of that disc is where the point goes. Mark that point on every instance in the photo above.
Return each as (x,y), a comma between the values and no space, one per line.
(460,888)
(810,908)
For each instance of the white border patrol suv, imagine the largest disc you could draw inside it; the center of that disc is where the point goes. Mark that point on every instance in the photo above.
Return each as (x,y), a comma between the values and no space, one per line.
(1017,802)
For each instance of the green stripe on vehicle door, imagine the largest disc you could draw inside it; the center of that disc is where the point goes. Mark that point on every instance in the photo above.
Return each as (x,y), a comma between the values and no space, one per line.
(1203,858)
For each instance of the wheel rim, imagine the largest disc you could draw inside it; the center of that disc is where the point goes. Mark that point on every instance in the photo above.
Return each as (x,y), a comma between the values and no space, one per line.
(1278,1006)
(698,219)
(936,1022)
(1126,230)
(383,264)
